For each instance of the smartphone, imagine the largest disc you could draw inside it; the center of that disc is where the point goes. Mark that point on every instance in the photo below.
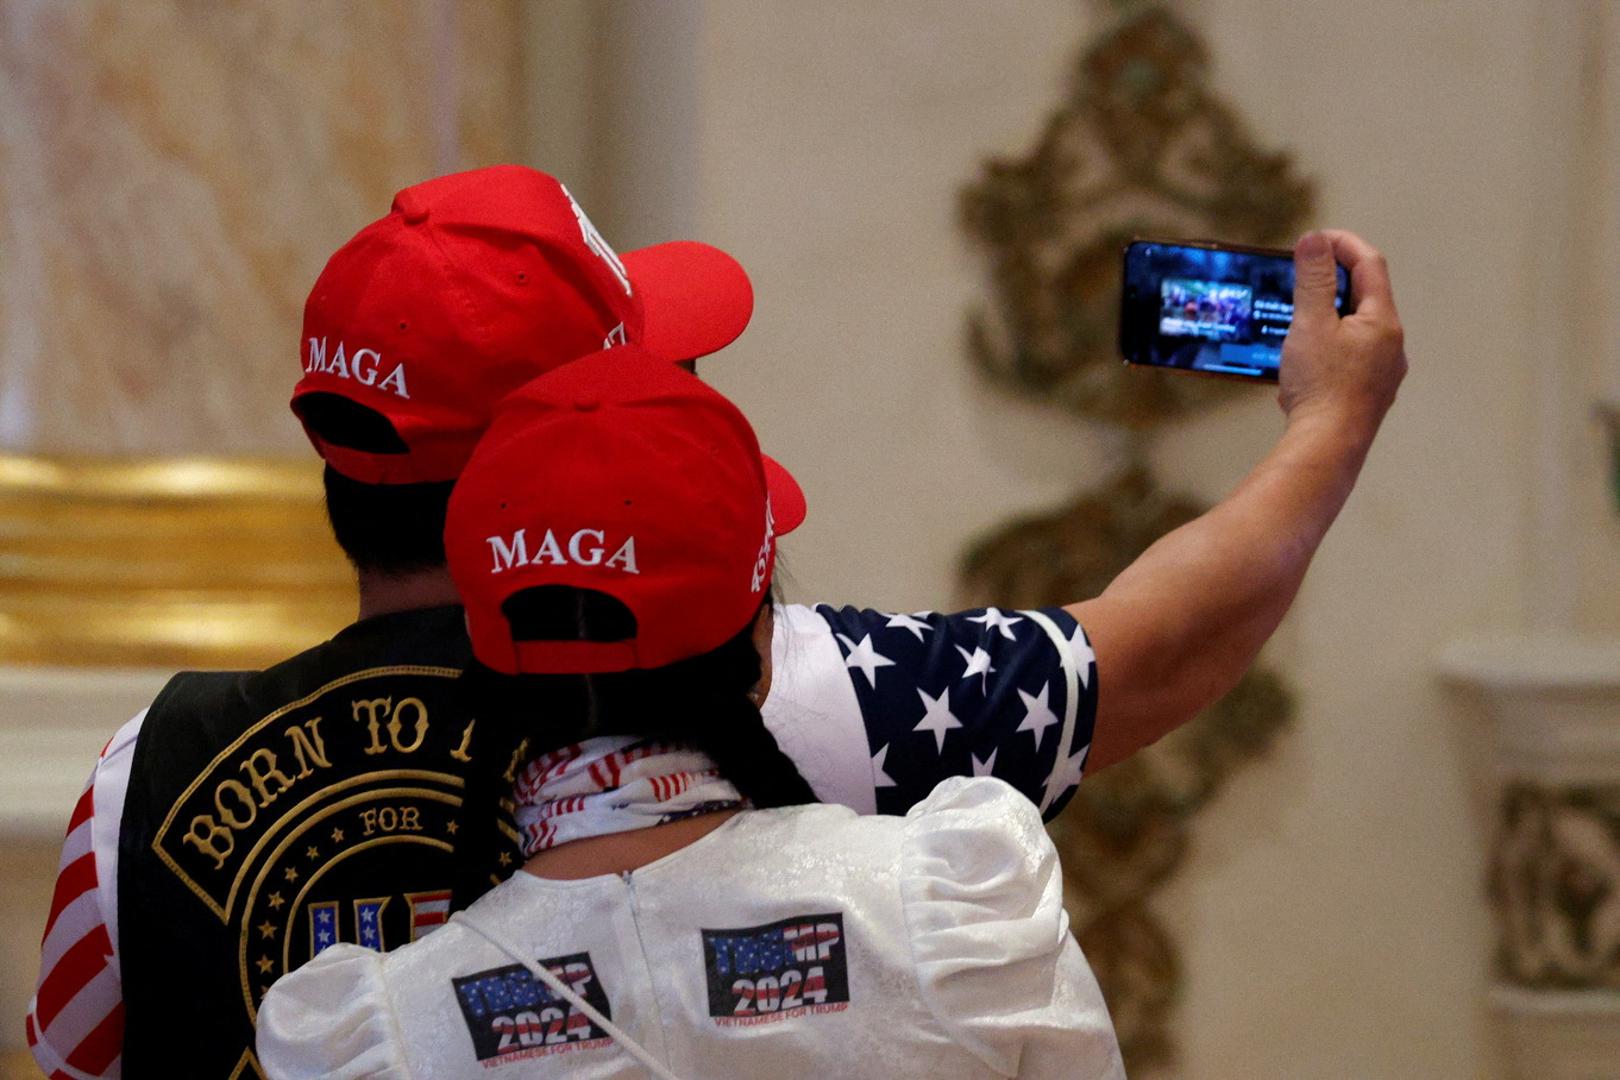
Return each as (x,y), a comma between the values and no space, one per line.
(1219,309)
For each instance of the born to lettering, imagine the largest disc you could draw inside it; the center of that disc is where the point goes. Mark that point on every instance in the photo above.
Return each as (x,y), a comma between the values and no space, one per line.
(584,548)
(363,366)
(410,713)
(237,804)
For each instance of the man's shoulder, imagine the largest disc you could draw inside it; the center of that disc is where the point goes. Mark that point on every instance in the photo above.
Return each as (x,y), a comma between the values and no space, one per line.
(187,690)
(336,709)
(315,801)
(428,641)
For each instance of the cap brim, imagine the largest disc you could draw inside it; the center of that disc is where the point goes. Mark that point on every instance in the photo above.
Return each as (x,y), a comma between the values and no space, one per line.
(695,298)
(787,497)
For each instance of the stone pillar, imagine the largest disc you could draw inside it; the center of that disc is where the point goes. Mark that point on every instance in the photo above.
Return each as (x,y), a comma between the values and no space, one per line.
(1549,707)
(1547,703)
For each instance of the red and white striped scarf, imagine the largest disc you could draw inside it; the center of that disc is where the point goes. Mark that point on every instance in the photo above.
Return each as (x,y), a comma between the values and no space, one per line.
(613,784)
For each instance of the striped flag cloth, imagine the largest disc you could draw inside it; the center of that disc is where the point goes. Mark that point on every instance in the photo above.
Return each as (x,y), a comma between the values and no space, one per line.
(75,1023)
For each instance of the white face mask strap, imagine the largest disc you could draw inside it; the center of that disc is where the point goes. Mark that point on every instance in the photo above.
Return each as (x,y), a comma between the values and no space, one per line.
(568,994)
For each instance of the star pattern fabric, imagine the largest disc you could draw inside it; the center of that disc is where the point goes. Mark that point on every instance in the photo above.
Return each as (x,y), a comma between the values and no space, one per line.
(864,658)
(975,693)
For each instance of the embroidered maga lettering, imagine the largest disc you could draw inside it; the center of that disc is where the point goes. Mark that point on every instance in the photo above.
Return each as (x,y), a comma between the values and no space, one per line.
(584,548)
(362,366)
(763,559)
(598,246)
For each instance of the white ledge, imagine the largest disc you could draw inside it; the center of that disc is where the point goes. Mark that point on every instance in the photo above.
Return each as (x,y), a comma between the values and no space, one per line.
(1533,662)
(1557,1034)
(1599,1004)
(1552,703)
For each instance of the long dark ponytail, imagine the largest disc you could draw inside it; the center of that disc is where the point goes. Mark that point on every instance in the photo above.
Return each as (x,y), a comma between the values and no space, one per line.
(702,702)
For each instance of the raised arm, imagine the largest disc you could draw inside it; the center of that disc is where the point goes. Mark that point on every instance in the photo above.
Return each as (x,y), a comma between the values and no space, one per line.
(1179,626)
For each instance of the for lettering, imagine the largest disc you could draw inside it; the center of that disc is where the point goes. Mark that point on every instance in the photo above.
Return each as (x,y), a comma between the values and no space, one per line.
(391,819)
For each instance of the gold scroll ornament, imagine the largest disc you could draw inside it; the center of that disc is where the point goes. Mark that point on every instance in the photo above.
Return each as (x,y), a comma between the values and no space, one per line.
(166,562)
(1142,144)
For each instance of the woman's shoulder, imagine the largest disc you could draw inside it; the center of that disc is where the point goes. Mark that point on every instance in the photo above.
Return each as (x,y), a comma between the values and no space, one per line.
(981,840)
(977,892)
(333,1014)
(339,1014)
(981,814)
(982,892)
(994,799)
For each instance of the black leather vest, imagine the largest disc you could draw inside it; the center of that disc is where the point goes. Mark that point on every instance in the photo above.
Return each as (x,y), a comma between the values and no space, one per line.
(271,814)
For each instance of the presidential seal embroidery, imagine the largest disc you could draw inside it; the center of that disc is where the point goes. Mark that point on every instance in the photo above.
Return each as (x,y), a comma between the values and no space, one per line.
(332,819)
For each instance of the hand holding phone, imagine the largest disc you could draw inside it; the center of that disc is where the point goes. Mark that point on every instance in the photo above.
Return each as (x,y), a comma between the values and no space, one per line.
(1210,308)
(1346,369)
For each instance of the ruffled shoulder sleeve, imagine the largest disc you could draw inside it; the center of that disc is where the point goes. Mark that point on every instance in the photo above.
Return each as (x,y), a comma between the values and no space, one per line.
(996,965)
(331,1018)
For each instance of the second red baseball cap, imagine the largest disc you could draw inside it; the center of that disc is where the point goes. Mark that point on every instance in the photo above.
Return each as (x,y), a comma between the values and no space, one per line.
(472,285)
(618,476)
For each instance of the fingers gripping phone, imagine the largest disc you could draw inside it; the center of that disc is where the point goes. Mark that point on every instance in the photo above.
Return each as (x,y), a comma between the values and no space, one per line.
(1218,309)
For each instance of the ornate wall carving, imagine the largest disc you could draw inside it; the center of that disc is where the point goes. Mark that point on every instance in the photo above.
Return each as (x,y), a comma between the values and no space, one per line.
(1141,145)
(1555,884)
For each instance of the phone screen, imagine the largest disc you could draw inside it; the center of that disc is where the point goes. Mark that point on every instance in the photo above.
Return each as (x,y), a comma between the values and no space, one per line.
(1205,307)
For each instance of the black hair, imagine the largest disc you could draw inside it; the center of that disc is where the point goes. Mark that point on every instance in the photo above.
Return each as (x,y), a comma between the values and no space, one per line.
(389,528)
(701,702)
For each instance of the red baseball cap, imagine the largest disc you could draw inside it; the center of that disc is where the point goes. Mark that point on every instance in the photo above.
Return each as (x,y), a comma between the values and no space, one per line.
(471,286)
(626,476)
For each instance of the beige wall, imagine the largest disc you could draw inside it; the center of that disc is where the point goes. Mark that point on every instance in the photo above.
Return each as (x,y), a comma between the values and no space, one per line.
(174,175)
(1332,913)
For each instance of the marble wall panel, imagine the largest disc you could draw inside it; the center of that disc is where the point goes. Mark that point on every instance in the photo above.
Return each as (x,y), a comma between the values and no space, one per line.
(174,173)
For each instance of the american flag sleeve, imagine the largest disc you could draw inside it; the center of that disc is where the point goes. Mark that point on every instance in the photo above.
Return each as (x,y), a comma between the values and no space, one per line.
(1009,694)
(75,1023)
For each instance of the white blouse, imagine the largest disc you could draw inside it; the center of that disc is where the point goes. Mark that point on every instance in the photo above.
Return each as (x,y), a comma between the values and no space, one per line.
(796,943)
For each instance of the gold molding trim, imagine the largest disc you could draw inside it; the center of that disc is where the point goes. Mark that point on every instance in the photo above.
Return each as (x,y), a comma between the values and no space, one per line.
(167,562)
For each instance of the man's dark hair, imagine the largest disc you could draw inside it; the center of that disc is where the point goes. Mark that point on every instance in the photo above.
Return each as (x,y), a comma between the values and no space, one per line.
(388,528)
(701,702)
